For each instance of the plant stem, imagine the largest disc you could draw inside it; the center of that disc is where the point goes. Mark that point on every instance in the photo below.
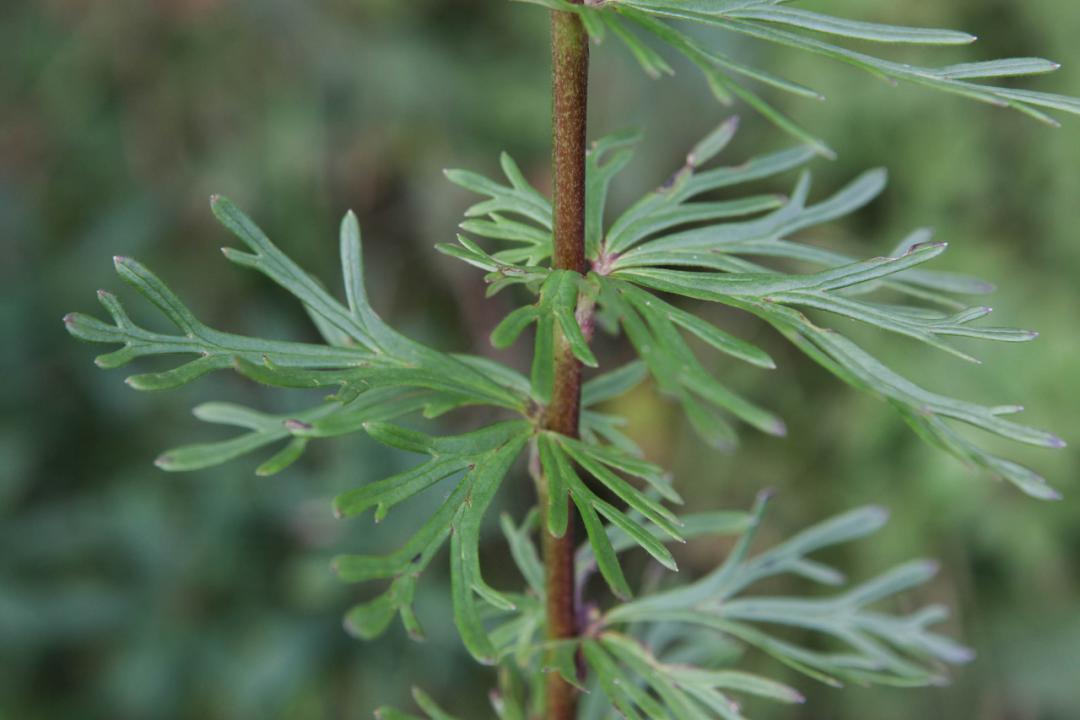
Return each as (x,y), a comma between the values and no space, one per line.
(570,80)
(570,77)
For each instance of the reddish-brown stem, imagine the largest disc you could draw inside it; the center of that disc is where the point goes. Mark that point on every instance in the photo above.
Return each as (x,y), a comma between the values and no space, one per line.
(570,77)
(570,81)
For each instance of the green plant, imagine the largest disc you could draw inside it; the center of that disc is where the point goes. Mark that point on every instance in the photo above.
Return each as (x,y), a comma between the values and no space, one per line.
(667,652)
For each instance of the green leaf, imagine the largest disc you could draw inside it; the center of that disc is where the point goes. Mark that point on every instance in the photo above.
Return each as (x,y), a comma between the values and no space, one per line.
(484,456)
(216,349)
(431,710)
(711,145)
(747,683)
(555,454)
(563,659)
(840,289)
(503,267)
(466,613)
(803,30)
(429,706)
(556,307)
(364,351)
(637,659)
(638,534)
(618,459)
(878,647)
(700,591)
(701,263)
(263,429)
(656,210)
(650,61)
(621,689)
(691,526)
(713,335)
(523,551)
(369,620)
(606,559)
(612,384)
(661,219)
(269,260)
(671,362)
(559,296)
(557,476)
(384,494)
(283,458)
(922,409)
(606,158)
(1013,67)
(855,29)
(597,428)
(519,198)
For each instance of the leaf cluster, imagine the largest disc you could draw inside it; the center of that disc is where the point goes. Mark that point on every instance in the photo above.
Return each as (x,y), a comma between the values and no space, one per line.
(377,373)
(736,252)
(671,243)
(666,653)
(669,653)
(667,22)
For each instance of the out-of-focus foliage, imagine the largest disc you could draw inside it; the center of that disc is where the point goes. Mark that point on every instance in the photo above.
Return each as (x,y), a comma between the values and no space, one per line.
(125,593)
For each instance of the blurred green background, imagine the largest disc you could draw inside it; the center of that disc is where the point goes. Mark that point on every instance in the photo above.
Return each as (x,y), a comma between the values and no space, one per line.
(126,593)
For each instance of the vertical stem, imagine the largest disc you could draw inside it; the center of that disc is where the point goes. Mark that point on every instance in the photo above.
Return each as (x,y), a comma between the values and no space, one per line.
(570,77)
(570,81)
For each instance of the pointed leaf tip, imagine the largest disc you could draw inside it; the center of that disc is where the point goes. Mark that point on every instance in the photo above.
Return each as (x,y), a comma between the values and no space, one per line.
(350,221)
(217,200)
(823,150)
(881,513)
(964,655)
(294,424)
(932,244)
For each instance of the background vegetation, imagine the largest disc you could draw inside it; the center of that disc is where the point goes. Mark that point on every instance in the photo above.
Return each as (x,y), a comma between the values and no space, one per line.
(127,593)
